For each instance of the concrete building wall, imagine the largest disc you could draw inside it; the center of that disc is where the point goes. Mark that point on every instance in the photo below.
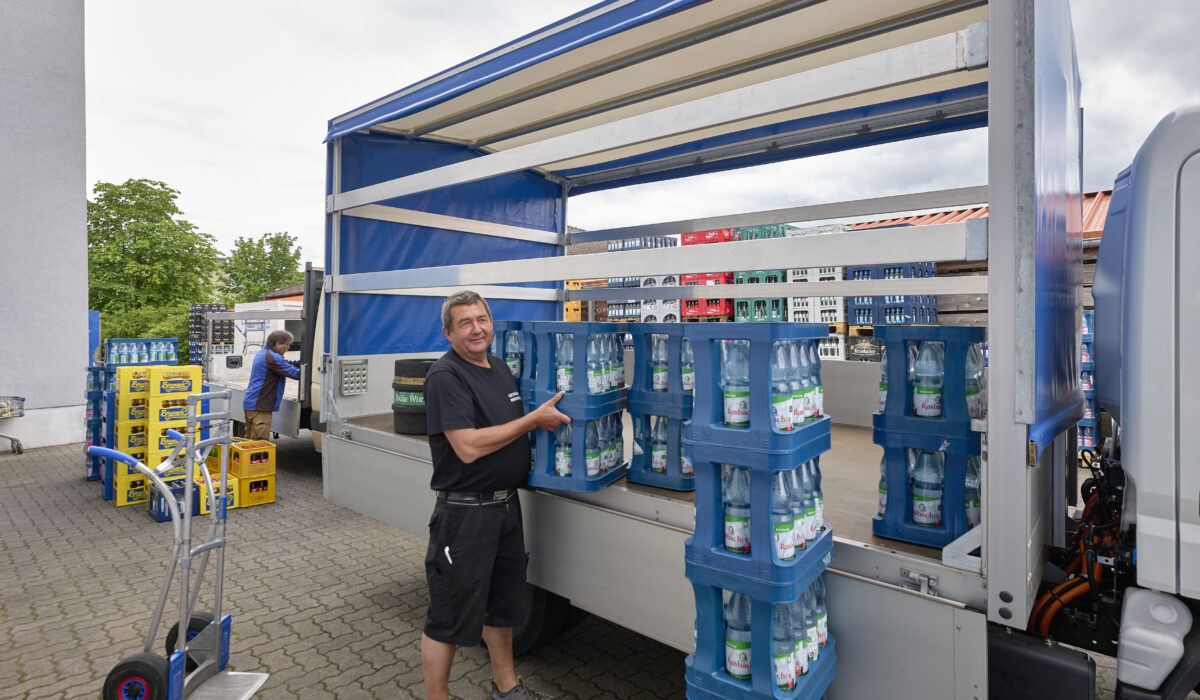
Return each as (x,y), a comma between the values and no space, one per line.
(43,219)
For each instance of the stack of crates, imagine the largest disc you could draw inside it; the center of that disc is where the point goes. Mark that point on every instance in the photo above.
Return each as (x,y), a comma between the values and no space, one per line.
(661,393)
(831,310)
(760,309)
(591,456)
(892,309)
(632,310)
(168,410)
(127,423)
(93,466)
(1088,436)
(251,472)
(660,310)
(706,309)
(576,310)
(758,233)
(918,423)
(757,563)
(222,332)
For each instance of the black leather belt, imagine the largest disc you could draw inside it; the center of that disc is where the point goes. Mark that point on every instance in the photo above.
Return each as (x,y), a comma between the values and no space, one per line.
(476,499)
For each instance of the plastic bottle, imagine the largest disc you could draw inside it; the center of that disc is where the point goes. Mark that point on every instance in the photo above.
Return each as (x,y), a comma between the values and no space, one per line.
(735,381)
(811,637)
(814,361)
(883,382)
(658,446)
(928,375)
(123,353)
(810,505)
(687,367)
(618,348)
(658,364)
(562,450)
(737,637)
(736,498)
(881,511)
(799,638)
(685,463)
(592,449)
(818,496)
(171,352)
(513,352)
(974,368)
(781,389)
(927,487)
(972,494)
(797,385)
(782,520)
(795,493)
(809,408)
(818,589)
(595,368)
(564,362)
(608,356)
(611,458)
(783,648)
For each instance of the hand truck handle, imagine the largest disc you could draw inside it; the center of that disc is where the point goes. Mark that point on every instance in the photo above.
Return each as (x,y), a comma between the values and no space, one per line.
(97,451)
(171,432)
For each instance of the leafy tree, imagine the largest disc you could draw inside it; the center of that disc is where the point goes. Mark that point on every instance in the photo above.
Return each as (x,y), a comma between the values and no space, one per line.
(165,321)
(259,266)
(141,253)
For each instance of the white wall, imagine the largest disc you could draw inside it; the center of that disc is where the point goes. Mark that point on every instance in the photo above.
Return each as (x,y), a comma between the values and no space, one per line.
(43,211)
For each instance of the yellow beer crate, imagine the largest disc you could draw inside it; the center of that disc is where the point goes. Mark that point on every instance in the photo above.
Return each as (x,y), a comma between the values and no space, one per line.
(202,491)
(174,379)
(130,489)
(132,407)
(131,435)
(247,459)
(256,490)
(133,380)
(157,457)
(167,408)
(123,469)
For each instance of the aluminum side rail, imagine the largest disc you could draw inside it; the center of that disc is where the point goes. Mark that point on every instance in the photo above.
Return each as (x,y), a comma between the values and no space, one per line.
(842,288)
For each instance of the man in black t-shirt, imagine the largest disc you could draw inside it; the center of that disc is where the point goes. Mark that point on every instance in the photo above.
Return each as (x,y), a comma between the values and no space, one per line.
(475,564)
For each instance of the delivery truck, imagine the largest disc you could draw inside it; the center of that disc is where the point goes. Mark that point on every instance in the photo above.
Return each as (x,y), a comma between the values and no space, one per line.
(464,180)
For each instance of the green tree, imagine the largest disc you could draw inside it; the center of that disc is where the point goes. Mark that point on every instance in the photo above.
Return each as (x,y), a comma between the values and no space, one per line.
(259,266)
(165,321)
(141,253)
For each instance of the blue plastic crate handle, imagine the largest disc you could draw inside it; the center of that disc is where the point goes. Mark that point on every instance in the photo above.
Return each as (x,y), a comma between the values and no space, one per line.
(112,454)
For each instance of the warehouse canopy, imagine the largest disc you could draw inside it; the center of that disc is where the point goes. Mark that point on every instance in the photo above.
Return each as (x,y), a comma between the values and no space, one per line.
(628,58)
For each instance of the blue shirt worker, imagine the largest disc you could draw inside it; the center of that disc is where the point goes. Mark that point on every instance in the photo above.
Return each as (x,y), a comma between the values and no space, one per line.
(475,564)
(268,373)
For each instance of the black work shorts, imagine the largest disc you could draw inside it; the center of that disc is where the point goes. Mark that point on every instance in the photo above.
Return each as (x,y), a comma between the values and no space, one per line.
(475,567)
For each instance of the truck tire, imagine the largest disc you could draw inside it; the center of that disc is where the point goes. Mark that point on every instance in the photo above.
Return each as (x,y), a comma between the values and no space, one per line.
(545,614)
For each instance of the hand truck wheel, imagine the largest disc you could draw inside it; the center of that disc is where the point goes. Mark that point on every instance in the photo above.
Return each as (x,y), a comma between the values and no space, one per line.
(196,625)
(138,677)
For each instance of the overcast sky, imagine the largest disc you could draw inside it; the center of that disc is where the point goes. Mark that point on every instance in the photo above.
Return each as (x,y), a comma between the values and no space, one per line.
(228,103)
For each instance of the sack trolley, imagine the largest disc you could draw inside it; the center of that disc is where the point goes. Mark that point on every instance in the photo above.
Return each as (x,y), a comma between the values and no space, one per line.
(12,407)
(194,666)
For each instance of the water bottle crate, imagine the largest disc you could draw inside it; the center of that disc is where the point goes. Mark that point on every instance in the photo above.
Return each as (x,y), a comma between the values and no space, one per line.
(1087,423)
(93,467)
(96,375)
(642,383)
(897,522)
(908,312)
(524,377)
(955,419)
(760,309)
(708,416)
(641,464)
(543,373)
(1089,394)
(544,473)
(1087,325)
(714,566)
(1086,377)
(705,667)
(1090,410)
(122,352)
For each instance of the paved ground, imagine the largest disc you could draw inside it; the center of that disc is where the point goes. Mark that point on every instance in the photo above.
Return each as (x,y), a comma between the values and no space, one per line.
(328,601)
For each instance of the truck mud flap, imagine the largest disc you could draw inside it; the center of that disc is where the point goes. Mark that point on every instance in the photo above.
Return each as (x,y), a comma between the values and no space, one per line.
(1023,667)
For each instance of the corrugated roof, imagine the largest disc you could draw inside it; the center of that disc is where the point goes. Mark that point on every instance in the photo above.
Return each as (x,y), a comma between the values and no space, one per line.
(1095,211)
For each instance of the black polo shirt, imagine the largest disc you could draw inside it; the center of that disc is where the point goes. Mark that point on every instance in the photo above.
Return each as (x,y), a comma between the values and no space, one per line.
(459,394)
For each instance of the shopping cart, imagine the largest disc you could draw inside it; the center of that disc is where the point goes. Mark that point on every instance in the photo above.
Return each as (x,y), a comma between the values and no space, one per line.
(195,663)
(12,407)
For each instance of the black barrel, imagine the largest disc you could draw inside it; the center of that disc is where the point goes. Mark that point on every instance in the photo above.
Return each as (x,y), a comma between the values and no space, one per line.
(408,406)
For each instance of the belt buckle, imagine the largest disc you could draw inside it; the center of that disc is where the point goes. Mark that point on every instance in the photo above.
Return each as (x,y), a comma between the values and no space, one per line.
(500,496)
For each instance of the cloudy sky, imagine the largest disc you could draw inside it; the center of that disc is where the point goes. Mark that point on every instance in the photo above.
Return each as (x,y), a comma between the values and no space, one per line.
(227,101)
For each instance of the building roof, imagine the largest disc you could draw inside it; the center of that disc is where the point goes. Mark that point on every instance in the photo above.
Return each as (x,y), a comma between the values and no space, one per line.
(1095,211)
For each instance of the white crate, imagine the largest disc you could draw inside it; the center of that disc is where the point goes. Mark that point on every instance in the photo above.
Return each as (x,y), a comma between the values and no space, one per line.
(817,309)
(832,348)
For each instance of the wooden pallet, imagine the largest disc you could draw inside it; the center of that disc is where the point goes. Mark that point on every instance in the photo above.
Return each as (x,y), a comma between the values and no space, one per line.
(837,329)
(861,331)
(707,319)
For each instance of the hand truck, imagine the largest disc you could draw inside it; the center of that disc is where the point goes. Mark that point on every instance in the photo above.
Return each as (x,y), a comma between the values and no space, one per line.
(12,407)
(195,663)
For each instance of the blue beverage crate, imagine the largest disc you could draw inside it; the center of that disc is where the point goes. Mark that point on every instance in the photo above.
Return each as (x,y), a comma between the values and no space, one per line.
(1089,323)
(908,312)
(1086,361)
(113,359)
(640,382)
(639,464)
(897,417)
(860,313)
(156,504)
(1087,423)
(93,467)
(544,377)
(708,421)
(897,522)
(1089,406)
(542,474)
(500,331)
(95,378)
(705,667)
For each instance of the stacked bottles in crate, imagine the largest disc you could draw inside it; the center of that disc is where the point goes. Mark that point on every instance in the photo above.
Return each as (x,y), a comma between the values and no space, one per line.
(761,544)
(586,362)
(141,351)
(660,403)
(511,343)
(932,386)
(1088,435)
(198,339)
(892,309)
(97,381)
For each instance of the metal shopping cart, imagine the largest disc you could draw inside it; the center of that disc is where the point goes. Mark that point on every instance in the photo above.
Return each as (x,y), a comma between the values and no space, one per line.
(195,663)
(12,407)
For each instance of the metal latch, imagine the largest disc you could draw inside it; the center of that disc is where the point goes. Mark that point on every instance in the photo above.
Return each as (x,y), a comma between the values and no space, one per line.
(923,583)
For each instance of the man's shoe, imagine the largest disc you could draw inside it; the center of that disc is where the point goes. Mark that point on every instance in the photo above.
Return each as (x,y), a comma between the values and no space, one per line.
(520,692)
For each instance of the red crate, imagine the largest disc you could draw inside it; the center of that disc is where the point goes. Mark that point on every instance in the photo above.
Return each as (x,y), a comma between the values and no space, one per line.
(722,235)
(693,308)
(718,307)
(694,279)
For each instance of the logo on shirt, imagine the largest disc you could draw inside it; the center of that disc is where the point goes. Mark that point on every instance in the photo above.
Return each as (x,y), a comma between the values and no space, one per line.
(514,397)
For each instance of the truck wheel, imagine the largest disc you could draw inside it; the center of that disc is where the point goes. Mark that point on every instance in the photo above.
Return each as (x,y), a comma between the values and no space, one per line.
(545,613)
(138,677)
(196,625)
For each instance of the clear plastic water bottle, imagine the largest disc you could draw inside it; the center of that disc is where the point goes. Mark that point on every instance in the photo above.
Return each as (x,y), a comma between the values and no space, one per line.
(972,494)
(818,589)
(143,353)
(814,470)
(811,637)
(737,637)
(591,446)
(735,383)
(810,505)
(883,382)
(685,463)
(974,368)
(562,450)
(612,457)
(881,511)
(513,352)
(658,446)
(928,376)
(927,488)
(736,500)
(814,362)
(618,348)
(171,352)
(619,437)
(795,493)
(564,362)
(610,360)
(783,648)
(658,363)
(799,637)
(782,520)
(687,367)
(595,367)
(781,389)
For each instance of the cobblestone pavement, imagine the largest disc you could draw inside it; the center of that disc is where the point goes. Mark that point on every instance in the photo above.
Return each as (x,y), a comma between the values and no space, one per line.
(329,602)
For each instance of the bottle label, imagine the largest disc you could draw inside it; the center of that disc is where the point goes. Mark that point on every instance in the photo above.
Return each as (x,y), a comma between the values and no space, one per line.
(562,462)
(809,409)
(819,409)
(823,630)
(593,463)
(785,542)
(596,382)
(658,379)
(820,501)
(685,464)
(810,523)
(1085,356)
(610,377)
(801,656)
(781,412)
(514,365)
(1086,384)
(785,670)
(658,459)
(974,404)
(737,659)
(737,534)
(565,379)
(927,401)
(619,373)
(927,510)
(610,457)
(737,409)
(687,377)
(974,513)
(798,541)
(810,643)
(797,408)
